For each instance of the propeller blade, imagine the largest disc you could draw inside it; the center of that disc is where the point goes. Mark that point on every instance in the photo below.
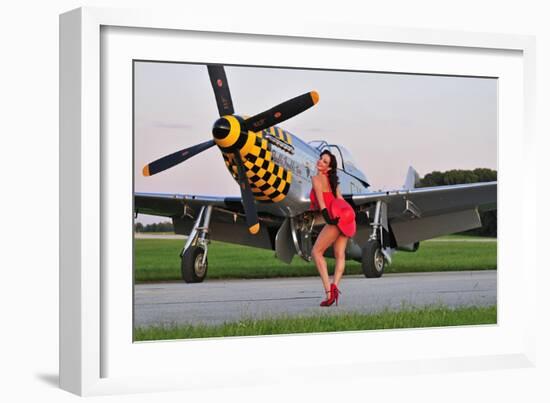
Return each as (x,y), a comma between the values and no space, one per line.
(248,198)
(282,112)
(176,158)
(221,89)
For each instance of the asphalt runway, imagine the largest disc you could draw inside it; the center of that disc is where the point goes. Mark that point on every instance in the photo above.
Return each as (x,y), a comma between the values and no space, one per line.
(217,301)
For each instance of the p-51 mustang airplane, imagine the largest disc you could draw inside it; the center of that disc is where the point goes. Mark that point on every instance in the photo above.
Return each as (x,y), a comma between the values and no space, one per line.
(273,169)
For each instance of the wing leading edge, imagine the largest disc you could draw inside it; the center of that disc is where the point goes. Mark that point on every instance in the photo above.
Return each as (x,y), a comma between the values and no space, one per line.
(174,205)
(433,200)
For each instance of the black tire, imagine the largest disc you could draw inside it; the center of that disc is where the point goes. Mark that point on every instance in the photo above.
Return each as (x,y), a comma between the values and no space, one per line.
(372,260)
(192,269)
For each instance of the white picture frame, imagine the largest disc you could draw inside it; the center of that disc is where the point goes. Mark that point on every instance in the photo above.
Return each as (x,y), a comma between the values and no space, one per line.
(96,355)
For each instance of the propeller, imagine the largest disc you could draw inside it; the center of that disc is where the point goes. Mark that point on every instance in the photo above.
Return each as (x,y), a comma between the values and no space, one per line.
(176,158)
(248,198)
(230,133)
(221,89)
(281,112)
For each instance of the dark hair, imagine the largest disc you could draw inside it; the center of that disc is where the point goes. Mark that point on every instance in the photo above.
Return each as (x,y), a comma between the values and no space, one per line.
(332,173)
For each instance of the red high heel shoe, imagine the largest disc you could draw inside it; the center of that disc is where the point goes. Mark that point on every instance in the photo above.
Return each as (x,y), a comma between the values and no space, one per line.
(332,296)
(336,292)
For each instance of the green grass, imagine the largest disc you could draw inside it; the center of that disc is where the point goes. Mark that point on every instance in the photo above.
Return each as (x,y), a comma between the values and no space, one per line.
(434,316)
(158,260)
(462,236)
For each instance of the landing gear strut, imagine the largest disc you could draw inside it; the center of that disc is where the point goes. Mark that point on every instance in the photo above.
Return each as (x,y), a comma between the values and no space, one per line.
(194,261)
(373,259)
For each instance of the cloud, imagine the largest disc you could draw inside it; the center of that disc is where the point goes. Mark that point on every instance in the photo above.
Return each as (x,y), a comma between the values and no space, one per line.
(170,125)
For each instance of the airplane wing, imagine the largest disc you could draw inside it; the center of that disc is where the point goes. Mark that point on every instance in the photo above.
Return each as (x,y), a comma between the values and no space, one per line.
(228,220)
(174,205)
(423,213)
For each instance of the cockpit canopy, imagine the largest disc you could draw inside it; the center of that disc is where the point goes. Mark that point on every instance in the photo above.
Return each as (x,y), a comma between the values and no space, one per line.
(343,156)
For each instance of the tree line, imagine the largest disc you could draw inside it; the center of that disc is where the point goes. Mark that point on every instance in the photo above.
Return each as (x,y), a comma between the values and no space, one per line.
(458,177)
(155,227)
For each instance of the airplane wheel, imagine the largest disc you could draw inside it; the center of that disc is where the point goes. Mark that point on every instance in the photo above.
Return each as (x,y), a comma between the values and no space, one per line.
(192,269)
(372,260)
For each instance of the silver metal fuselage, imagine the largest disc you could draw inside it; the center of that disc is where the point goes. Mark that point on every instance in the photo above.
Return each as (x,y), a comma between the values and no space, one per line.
(302,163)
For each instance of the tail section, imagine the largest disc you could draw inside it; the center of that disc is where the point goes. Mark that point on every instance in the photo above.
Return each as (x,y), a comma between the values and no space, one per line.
(411,180)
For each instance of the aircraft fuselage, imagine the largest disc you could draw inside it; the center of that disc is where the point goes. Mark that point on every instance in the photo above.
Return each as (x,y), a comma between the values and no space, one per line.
(279,167)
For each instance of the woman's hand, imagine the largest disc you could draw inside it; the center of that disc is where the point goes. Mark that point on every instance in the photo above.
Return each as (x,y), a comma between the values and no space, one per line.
(326,216)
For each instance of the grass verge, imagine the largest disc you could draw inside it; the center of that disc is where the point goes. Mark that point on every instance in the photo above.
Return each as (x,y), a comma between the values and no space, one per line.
(433,316)
(158,260)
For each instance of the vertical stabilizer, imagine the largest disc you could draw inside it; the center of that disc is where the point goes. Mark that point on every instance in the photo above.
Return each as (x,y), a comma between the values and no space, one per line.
(411,180)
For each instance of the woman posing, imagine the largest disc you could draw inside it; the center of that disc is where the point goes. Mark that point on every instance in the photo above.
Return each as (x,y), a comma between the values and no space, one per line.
(325,191)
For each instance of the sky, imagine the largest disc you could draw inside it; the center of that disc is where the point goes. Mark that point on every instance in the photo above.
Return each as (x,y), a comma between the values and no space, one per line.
(387,121)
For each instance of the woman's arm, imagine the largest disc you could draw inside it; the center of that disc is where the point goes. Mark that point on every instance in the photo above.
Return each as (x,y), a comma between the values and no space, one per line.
(338,193)
(318,189)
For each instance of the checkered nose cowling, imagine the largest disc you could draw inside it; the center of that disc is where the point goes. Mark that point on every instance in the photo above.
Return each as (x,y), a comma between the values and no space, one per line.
(268,181)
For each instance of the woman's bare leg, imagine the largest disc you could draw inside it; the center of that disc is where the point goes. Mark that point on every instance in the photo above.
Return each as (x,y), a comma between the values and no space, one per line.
(327,236)
(340,256)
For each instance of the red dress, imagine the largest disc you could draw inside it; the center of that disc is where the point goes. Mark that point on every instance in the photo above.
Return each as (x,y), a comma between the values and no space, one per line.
(346,215)
(328,197)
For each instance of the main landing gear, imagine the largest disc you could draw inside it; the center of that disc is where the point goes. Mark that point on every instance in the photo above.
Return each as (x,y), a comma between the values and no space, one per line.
(194,261)
(373,259)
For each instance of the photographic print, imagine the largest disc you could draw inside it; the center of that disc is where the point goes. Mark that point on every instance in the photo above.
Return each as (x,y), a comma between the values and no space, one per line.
(273,200)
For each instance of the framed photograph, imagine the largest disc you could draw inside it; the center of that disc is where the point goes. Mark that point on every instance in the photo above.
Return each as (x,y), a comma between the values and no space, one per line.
(445,125)
(145,94)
